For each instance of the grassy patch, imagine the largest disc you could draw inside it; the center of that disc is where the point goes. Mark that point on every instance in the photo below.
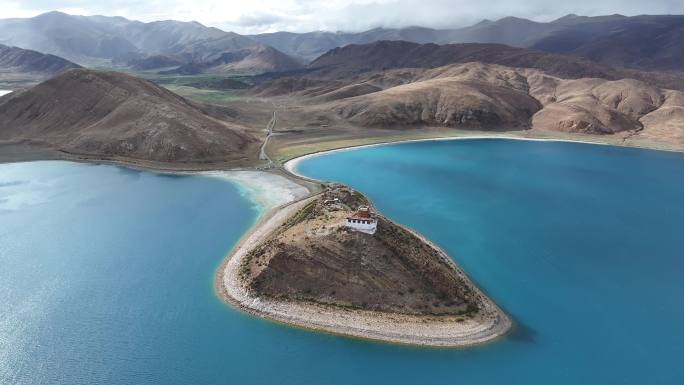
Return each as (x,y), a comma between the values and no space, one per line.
(305,213)
(203,95)
(188,79)
(182,86)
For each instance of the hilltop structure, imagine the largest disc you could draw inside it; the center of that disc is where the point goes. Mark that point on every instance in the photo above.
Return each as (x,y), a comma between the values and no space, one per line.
(362,220)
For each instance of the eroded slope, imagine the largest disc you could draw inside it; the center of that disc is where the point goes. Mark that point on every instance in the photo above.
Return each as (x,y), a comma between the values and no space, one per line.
(313,257)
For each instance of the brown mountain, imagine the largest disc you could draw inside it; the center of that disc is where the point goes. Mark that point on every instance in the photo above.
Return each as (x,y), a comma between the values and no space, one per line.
(384,55)
(448,101)
(114,115)
(17,60)
(485,97)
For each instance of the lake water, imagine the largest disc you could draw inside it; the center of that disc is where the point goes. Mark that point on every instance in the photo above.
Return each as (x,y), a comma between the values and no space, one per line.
(582,244)
(106,274)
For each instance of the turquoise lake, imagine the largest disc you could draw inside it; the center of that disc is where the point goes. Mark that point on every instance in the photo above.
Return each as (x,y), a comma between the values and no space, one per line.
(106,274)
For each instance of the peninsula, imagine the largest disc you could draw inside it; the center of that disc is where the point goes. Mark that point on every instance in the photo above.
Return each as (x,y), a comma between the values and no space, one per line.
(330,262)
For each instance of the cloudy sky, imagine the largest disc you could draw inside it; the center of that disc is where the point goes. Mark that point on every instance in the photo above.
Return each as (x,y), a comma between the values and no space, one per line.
(244,16)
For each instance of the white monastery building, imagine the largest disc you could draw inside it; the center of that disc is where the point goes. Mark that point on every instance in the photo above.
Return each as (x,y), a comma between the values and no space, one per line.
(362,221)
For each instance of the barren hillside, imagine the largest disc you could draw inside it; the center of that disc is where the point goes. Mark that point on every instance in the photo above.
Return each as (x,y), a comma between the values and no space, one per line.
(489,97)
(111,114)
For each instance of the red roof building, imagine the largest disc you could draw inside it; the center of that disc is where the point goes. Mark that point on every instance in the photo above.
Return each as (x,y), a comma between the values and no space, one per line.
(362,220)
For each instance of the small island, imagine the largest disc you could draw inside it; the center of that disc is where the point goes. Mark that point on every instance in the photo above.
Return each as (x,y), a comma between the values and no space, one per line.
(332,263)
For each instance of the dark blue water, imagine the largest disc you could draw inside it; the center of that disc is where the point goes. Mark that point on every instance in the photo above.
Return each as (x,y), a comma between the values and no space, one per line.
(106,274)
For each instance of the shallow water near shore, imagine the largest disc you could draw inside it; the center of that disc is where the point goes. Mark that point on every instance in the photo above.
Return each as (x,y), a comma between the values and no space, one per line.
(107,273)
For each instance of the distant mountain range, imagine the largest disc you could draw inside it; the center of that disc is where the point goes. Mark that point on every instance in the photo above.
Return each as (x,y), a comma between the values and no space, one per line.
(90,39)
(18,60)
(643,42)
(639,42)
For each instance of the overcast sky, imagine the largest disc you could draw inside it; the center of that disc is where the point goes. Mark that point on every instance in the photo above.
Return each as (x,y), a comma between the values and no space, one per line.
(244,16)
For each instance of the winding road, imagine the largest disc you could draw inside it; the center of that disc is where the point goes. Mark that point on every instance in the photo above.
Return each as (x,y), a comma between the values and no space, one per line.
(270,126)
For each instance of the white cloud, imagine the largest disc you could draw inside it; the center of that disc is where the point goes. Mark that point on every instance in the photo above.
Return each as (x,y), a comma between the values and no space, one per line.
(16,9)
(351,15)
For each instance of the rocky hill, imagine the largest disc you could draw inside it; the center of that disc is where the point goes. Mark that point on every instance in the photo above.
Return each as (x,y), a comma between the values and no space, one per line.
(313,257)
(114,115)
(448,102)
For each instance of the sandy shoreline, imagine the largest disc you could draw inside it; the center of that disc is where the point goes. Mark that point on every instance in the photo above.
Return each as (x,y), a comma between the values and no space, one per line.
(291,165)
(268,190)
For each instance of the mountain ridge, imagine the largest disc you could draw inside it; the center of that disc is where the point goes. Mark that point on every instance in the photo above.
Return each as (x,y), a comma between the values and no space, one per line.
(87,39)
(644,42)
(593,33)
(18,60)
